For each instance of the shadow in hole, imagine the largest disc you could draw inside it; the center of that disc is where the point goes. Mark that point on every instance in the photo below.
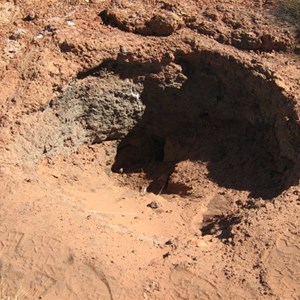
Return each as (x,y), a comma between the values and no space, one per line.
(222,115)
(237,156)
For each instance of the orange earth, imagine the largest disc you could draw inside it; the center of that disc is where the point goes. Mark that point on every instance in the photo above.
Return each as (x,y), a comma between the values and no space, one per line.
(149,150)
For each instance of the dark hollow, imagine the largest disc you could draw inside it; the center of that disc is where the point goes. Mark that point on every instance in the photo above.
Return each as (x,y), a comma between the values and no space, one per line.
(223,114)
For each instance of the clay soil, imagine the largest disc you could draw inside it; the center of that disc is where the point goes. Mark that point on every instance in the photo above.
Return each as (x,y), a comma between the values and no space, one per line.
(149,150)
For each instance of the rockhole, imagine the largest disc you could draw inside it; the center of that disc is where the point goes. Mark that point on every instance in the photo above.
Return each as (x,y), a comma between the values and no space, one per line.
(230,123)
(213,111)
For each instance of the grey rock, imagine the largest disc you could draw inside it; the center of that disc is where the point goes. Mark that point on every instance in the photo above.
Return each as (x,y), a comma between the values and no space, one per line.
(99,109)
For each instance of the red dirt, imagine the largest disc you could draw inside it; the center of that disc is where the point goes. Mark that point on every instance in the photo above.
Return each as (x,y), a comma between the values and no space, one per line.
(149,150)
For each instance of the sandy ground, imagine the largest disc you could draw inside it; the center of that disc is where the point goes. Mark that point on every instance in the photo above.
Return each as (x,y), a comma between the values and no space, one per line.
(73,229)
(70,231)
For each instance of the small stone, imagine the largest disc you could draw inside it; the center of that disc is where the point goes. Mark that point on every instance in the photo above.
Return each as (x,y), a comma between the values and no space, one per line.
(39,36)
(30,17)
(70,23)
(153,205)
(143,189)
(169,242)
(123,50)
(163,24)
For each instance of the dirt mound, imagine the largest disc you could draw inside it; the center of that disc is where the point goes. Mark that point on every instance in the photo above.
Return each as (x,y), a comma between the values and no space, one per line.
(226,25)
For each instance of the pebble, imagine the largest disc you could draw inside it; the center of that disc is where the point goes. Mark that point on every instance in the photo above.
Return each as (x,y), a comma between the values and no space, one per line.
(30,17)
(153,205)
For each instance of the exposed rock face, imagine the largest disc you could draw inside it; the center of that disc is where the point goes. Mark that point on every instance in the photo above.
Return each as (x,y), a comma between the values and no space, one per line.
(102,108)
(90,110)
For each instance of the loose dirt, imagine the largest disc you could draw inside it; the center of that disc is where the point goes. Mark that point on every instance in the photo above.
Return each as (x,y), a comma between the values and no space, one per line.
(149,150)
